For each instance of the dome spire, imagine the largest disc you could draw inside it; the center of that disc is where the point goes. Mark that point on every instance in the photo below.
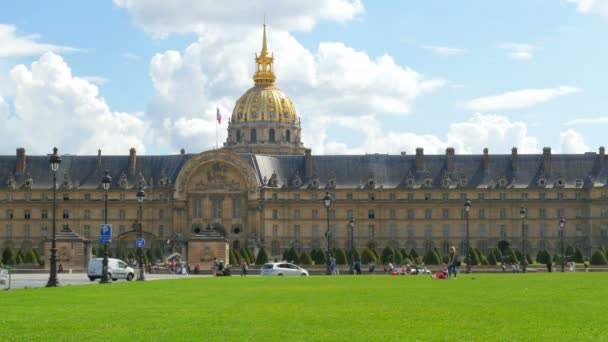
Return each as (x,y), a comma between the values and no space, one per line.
(264,75)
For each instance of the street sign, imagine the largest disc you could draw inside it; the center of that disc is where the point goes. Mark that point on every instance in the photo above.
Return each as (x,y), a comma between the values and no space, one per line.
(139,243)
(105,233)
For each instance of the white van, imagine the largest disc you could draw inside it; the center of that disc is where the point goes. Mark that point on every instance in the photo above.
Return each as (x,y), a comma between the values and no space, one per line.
(117,269)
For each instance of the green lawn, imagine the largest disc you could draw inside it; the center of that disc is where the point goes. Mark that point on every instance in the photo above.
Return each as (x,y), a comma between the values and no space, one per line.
(480,307)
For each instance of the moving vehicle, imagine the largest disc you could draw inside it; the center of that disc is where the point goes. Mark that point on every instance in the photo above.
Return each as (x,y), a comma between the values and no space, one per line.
(282,269)
(117,269)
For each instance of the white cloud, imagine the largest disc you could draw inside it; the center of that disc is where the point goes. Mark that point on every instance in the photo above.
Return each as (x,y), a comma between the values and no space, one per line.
(13,45)
(591,6)
(98,80)
(519,98)
(572,142)
(446,50)
(4,110)
(54,108)
(519,51)
(588,121)
(204,17)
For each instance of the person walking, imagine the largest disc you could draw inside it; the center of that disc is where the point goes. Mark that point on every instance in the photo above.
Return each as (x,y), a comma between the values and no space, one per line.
(244,268)
(452,263)
(372,268)
(214,266)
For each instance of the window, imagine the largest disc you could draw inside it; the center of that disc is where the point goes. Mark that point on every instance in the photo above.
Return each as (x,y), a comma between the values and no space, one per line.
(66,214)
(288,136)
(238,135)
(87,214)
(9,231)
(482,213)
(349,196)
(463,196)
(44,197)
(296,232)
(393,214)
(410,196)
(44,231)
(122,197)
(217,208)
(44,214)
(315,196)
(445,196)
(481,196)
(503,196)
(121,229)
(463,213)
(463,231)
(542,195)
(28,197)
(161,214)
(371,214)
(445,213)
(371,197)
(254,136)
(121,214)
(27,214)
(271,136)
(275,196)
(315,213)
(9,214)
(66,197)
(296,196)
(296,214)
(87,231)
(26,231)
(578,195)
(428,232)
(392,196)
(66,228)
(503,213)
(315,231)
(371,231)
(445,232)
(560,195)
(161,230)
(410,232)
(428,196)
(482,231)
(524,196)
(349,214)
(542,213)
(9,197)
(197,208)
(332,213)
(560,212)
(603,212)
(579,213)
(87,197)
(503,231)
(275,214)
(428,213)
(275,231)
(410,214)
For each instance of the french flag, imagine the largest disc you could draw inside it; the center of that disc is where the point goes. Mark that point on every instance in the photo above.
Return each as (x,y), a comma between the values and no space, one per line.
(219,117)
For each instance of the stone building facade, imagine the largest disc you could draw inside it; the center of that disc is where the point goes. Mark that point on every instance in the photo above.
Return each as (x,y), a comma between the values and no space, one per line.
(268,191)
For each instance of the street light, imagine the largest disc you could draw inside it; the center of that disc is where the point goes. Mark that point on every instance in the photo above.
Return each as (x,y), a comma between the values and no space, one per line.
(562,223)
(351,224)
(140,252)
(327,203)
(467,207)
(54,161)
(522,213)
(106,180)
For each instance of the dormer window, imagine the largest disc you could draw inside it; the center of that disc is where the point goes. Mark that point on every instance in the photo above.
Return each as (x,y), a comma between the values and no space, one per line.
(579,183)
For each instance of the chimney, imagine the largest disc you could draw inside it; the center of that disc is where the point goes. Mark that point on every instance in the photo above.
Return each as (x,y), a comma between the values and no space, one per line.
(307,163)
(602,158)
(21,165)
(486,160)
(419,159)
(99,158)
(514,158)
(547,160)
(449,156)
(182,151)
(132,160)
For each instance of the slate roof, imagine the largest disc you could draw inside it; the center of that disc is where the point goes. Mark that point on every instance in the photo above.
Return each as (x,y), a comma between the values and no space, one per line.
(349,171)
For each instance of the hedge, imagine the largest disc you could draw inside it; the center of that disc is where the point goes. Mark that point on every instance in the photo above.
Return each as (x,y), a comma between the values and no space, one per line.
(598,258)
(262,257)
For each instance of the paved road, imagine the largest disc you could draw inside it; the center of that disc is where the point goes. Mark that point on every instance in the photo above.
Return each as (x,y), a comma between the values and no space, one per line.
(40,279)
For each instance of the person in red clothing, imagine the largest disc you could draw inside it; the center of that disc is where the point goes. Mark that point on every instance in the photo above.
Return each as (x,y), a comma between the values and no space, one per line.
(440,275)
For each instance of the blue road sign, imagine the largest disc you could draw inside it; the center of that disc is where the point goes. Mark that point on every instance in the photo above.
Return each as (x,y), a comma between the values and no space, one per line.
(140,242)
(105,233)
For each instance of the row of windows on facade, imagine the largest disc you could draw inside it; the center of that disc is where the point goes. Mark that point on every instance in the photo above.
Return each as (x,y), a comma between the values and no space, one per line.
(86,231)
(217,207)
(44,214)
(427,196)
(86,197)
(253,136)
(445,213)
(481,232)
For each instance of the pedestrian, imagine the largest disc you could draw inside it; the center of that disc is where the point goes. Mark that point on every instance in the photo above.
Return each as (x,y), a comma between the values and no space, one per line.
(586,265)
(358,267)
(549,268)
(372,268)
(453,264)
(197,268)
(60,270)
(214,266)
(243,268)
(504,267)
(332,266)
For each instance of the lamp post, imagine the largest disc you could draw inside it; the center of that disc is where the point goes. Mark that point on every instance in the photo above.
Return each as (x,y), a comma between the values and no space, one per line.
(327,203)
(140,252)
(351,224)
(562,223)
(54,161)
(106,180)
(467,207)
(522,214)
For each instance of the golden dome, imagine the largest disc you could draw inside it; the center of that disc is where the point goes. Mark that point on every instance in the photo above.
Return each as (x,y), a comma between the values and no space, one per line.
(264,102)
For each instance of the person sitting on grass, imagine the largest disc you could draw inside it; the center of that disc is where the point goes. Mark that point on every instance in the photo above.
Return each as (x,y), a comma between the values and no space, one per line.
(440,275)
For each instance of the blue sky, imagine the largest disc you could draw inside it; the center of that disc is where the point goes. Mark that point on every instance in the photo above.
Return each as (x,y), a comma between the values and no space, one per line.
(366,77)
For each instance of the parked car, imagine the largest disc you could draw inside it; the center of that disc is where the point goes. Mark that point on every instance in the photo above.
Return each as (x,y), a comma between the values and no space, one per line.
(282,269)
(117,269)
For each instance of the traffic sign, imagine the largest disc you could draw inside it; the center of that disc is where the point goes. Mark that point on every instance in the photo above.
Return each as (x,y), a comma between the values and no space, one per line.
(105,233)
(140,242)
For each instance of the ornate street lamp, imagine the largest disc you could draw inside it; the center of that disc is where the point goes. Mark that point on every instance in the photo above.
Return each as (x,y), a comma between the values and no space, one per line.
(562,223)
(140,252)
(467,207)
(522,214)
(54,161)
(351,225)
(327,203)
(106,180)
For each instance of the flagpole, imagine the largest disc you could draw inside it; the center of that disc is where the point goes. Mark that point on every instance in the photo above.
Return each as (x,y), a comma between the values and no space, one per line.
(216,146)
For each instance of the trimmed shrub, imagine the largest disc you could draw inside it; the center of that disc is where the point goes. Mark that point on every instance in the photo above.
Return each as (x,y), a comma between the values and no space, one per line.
(354,253)
(244,256)
(340,256)
(408,261)
(570,253)
(37,255)
(542,256)
(367,256)
(474,259)
(413,255)
(388,255)
(598,258)
(578,256)
(398,258)
(285,254)
(432,258)
(305,258)
(497,254)
(292,255)
(148,255)
(262,257)
(232,258)
(319,257)
(8,256)
(492,258)
(404,254)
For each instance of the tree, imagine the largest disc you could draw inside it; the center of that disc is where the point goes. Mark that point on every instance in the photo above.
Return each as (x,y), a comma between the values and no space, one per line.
(38,259)
(398,257)
(578,256)
(367,256)
(431,257)
(404,254)
(388,255)
(244,256)
(292,255)
(413,254)
(598,258)
(319,257)
(340,257)
(569,253)
(262,257)
(305,258)
(473,258)
(8,256)
(503,246)
(492,258)
(233,260)
(542,257)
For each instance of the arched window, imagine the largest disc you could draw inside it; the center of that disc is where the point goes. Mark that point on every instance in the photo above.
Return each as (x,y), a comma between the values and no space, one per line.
(271,138)
(254,136)
(238,135)
(288,136)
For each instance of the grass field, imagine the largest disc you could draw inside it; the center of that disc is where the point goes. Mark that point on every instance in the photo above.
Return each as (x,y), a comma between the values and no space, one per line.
(480,307)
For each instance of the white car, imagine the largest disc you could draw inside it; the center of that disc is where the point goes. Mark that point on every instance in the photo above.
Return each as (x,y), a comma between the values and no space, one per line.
(117,269)
(282,269)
